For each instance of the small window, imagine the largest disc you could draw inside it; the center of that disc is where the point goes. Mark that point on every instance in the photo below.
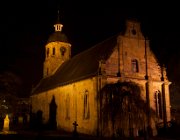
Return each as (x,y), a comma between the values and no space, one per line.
(134,64)
(86,111)
(53,51)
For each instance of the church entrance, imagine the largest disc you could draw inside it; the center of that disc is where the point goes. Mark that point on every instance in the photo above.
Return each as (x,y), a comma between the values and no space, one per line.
(52,114)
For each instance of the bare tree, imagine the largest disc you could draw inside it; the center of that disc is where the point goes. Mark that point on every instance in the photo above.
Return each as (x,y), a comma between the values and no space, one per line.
(10,85)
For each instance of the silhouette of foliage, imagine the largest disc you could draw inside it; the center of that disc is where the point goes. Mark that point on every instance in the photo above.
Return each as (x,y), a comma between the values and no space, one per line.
(10,85)
(123,105)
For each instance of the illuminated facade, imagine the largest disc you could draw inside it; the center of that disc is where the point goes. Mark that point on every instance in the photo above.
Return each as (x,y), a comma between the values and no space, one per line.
(75,84)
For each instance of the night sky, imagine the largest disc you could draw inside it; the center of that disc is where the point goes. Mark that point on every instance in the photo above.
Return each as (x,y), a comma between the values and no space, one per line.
(25,27)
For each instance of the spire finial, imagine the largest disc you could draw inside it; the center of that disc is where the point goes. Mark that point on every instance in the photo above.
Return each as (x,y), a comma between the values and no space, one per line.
(58,26)
(58,17)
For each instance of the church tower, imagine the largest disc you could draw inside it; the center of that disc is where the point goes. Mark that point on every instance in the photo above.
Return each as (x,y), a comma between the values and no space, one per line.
(57,50)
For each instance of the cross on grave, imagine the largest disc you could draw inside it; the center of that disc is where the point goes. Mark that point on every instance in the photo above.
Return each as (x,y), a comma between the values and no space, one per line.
(75,126)
(75,134)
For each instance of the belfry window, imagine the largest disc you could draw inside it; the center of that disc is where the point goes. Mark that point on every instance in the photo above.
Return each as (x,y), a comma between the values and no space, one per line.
(158,104)
(62,50)
(86,111)
(53,51)
(47,52)
(134,64)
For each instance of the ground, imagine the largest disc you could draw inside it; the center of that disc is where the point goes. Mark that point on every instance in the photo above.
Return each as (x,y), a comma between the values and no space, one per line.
(59,135)
(27,133)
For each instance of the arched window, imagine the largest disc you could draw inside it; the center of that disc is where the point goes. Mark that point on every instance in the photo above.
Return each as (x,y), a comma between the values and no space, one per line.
(86,111)
(134,65)
(158,104)
(67,107)
(53,51)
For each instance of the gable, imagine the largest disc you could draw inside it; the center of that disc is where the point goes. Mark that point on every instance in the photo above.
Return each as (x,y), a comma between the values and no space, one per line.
(131,45)
(133,49)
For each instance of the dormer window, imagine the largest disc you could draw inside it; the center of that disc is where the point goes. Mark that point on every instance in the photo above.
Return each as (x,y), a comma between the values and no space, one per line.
(134,64)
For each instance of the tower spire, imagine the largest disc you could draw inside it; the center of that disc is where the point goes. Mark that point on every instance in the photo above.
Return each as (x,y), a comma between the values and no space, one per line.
(58,17)
(58,26)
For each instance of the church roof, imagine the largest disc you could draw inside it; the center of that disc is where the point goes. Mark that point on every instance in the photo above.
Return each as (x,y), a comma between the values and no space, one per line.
(81,66)
(57,36)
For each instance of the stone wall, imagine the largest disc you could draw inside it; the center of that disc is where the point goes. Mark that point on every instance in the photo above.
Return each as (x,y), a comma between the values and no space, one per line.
(70,105)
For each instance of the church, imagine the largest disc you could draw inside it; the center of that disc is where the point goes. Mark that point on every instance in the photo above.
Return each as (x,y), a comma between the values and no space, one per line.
(116,87)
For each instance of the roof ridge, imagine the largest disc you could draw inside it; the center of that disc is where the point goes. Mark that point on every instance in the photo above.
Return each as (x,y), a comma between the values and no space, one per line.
(94,46)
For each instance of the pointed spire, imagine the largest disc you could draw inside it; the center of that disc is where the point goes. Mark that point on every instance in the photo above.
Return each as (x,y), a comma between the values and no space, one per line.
(58,17)
(58,26)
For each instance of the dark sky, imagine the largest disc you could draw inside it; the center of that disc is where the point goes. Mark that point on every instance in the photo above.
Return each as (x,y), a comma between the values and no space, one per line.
(25,27)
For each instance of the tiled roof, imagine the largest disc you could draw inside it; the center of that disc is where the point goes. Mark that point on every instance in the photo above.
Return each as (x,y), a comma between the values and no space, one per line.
(81,66)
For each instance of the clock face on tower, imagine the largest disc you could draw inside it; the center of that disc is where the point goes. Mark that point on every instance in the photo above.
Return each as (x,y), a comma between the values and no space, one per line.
(62,50)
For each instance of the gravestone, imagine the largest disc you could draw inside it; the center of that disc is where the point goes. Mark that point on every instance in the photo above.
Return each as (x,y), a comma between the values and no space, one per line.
(75,134)
(6,123)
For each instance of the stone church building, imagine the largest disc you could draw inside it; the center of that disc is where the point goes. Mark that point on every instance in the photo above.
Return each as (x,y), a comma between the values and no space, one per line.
(84,88)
